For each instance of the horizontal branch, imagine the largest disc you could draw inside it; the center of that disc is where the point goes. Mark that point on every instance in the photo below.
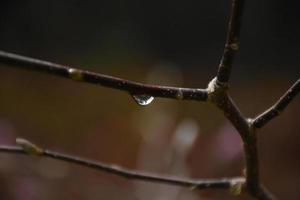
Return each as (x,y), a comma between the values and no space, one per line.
(278,107)
(133,88)
(27,148)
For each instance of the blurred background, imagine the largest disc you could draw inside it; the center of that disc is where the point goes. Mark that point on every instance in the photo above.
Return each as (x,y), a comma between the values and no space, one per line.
(176,43)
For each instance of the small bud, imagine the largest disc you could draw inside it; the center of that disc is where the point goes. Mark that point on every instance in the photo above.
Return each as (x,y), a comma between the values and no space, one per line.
(234,46)
(194,187)
(29,147)
(75,74)
(236,188)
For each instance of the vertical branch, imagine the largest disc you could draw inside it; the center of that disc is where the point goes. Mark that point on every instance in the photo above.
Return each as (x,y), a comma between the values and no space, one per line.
(252,165)
(232,41)
(217,94)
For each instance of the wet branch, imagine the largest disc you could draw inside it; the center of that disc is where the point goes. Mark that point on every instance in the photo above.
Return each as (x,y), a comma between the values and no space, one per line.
(27,148)
(278,107)
(75,74)
(216,93)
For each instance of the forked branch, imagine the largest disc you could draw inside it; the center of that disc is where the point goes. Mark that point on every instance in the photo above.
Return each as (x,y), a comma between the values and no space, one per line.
(278,107)
(27,148)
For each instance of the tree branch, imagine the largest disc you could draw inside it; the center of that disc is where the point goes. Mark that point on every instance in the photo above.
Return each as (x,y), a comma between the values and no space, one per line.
(278,107)
(27,148)
(216,92)
(218,95)
(232,41)
(133,88)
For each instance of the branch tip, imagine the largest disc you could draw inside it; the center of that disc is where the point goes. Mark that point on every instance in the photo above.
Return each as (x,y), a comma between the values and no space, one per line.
(232,41)
(278,107)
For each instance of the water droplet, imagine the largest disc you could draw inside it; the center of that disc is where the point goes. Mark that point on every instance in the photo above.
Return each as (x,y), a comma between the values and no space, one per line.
(143,100)
(179,94)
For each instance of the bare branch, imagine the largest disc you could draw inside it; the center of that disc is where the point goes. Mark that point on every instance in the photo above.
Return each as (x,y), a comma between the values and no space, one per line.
(278,107)
(133,88)
(224,183)
(252,163)
(216,92)
(218,95)
(232,41)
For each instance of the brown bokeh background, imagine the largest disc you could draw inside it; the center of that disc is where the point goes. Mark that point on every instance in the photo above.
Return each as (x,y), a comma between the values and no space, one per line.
(171,43)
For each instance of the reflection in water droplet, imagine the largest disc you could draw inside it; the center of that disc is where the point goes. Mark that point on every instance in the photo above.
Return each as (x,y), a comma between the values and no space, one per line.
(143,100)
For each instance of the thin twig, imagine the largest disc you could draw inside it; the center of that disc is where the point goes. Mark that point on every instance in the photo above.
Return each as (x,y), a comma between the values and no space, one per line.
(232,41)
(133,88)
(278,107)
(223,183)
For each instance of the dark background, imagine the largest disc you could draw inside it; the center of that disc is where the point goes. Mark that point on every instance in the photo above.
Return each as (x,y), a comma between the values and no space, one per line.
(175,43)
